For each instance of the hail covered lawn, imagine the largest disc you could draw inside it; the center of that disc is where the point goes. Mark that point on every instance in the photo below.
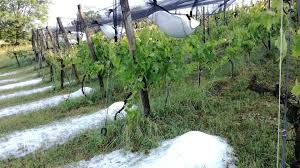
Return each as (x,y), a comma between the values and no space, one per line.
(21,143)
(69,134)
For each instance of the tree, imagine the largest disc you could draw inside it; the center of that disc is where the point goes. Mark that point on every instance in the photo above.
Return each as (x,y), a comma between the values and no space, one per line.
(17,17)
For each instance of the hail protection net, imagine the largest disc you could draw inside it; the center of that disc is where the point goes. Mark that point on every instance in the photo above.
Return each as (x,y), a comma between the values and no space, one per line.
(143,8)
(149,7)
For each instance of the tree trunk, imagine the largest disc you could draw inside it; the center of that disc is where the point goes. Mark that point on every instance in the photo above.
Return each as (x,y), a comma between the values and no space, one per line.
(40,60)
(224,12)
(208,28)
(75,72)
(90,45)
(16,56)
(101,83)
(232,68)
(51,73)
(269,38)
(145,98)
(249,57)
(296,163)
(17,38)
(203,20)
(68,44)
(298,11)
(199,74)
(167,88)
(33,43)
(131,44)
(62,73)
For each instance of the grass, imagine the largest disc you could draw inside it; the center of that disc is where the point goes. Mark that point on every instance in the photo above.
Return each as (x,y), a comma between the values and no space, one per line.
(9,64)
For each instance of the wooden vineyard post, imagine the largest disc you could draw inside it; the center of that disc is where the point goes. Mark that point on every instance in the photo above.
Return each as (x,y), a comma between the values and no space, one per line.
(297,125)
(208,28)
(45,37)
(131,43)
(68,44)
(39,44)
(298,11)
(63,32)
(203,23)
(54,47)
(269,37)
(45,46)
(56,37)
(62,65)
(77,30)
(225,6)
(16,56)
(90,45)
(197,12)
(225,23)
(33,43)
(204,41)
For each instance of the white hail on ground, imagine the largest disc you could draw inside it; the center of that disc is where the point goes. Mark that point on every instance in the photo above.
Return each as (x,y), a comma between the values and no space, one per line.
(25,92)
(9,73)
(191,150)
(8,81)
(5,81)
(29,92)
(21,143)
(41,104)
(15,72)
(21,84)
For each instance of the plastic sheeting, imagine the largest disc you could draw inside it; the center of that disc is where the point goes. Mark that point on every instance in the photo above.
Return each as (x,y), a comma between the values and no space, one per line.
(139,12)
(178,26)
(109,31)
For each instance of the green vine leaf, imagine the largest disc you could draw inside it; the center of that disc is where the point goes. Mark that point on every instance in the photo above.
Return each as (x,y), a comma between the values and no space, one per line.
(296,89)
(296,46)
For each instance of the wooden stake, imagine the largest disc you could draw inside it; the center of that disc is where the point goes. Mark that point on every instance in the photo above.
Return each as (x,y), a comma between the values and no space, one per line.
(16,56)
(40,48)
(68,44)
(203,24)
(46,40)
(298,11)
(51,38)
(55,50)
(208,29)
(63,32)
(77,30)
(57,38)
(90,45)
(225,6)
(34,44)
(131,43)
(87,32)
(269,38)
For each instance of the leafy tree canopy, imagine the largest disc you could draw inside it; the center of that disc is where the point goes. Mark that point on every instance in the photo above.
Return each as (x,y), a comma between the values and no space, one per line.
(17,17)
